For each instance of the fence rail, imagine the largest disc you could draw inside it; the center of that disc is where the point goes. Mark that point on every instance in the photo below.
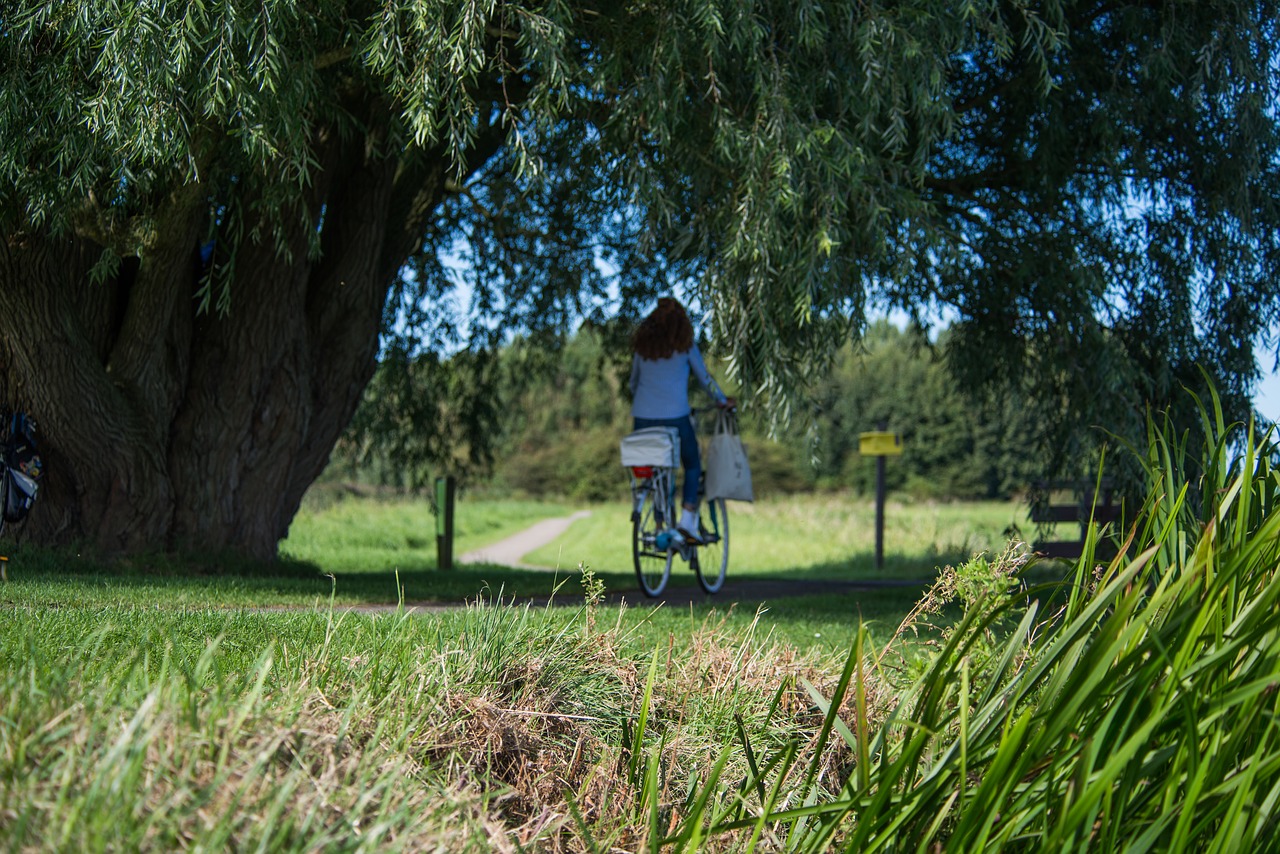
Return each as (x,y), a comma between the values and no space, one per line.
(1073,501)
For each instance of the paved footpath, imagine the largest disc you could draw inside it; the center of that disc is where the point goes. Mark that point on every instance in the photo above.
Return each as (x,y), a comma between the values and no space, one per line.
(510,551)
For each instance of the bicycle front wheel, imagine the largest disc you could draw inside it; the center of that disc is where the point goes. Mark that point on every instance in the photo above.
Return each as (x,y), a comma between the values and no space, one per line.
(653,565)
(714,560)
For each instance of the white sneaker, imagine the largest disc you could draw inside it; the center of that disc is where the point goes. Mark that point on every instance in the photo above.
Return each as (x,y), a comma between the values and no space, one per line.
(689,537)
(689,528)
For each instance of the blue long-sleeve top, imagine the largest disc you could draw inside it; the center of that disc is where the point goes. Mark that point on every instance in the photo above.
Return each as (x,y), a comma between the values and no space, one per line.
(660,387)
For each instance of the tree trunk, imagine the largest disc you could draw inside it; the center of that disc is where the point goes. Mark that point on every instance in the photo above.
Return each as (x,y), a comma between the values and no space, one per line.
(164,428)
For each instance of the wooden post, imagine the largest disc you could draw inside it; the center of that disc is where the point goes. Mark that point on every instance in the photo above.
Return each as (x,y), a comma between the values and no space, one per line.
(880,444)
(880,490)
(445,487)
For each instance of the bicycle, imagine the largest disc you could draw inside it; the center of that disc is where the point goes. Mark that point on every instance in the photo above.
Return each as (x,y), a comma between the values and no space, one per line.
(655,543)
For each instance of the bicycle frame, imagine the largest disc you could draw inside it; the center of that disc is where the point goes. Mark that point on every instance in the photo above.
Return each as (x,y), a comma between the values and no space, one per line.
(662,484)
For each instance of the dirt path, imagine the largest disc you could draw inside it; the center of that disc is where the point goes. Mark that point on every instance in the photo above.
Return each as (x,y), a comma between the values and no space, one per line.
(743,593)
(509,552)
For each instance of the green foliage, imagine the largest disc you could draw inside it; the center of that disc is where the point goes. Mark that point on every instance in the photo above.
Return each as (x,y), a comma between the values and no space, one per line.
(1089,189)
(538,417)
(1084,185)
(387,440)
(578,465)
(957,442)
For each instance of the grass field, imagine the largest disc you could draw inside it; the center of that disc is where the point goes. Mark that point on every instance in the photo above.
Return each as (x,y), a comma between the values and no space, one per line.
(210,703)
(367,546)
(206,704)
(357,550)
(354,551)
(812,537)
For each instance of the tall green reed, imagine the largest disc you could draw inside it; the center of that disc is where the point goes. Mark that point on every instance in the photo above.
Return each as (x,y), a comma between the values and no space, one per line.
(1136,706)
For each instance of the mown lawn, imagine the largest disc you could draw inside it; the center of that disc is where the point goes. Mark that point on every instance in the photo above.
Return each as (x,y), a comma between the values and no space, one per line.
(364,551)
(830,537)
(353,551)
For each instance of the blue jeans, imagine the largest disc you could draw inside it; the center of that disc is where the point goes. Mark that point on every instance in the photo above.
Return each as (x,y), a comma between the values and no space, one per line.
(690,459)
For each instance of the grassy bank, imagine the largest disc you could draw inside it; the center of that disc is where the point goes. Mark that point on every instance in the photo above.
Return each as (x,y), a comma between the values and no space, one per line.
(136,728)
(156,704)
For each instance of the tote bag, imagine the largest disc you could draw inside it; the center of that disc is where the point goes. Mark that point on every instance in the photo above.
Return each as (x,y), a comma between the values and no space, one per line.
(728,475)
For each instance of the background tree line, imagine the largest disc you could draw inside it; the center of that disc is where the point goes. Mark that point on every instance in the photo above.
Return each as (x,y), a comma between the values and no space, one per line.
(543,417)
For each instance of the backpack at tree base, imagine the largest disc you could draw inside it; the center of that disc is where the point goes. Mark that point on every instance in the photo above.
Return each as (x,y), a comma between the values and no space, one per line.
(22,468)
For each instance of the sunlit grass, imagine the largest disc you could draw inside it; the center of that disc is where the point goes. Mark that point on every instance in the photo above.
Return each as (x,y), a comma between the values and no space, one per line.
(142,728)
(133,729)
(811,536)
(378,551)
(367,535)
(820,623)
(358,550)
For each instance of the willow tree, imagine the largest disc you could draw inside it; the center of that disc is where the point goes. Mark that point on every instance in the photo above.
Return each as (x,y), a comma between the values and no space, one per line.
(211,210)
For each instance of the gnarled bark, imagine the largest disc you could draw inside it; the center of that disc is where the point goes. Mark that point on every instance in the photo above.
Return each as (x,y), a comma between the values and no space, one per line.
(166,428)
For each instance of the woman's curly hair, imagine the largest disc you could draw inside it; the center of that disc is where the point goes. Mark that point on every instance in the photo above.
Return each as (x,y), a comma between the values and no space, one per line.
(665,331)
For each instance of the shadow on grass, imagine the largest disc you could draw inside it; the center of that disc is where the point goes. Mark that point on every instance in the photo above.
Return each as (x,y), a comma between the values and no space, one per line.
(861,566)
(833,593)
(884,607)
(51,576)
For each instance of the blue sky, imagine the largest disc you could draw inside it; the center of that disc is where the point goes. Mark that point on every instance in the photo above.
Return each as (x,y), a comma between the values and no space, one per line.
(1267,397)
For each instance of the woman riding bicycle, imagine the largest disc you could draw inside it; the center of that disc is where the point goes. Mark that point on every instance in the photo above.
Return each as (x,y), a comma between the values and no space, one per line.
(664,356)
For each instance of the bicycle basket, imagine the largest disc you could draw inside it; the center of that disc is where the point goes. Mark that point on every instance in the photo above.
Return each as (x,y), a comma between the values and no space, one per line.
(651,446)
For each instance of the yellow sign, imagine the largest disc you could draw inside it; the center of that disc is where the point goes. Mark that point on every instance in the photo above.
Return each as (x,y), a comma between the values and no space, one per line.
(879,444)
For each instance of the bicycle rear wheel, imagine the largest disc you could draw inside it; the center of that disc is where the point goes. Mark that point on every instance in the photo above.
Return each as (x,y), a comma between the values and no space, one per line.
(653,564)
(712,564)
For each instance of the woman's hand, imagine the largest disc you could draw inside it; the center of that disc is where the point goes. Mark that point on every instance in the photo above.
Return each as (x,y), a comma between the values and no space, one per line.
(729,403)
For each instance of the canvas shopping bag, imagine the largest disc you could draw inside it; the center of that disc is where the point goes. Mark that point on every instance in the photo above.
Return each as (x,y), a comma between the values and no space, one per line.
(728,475)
